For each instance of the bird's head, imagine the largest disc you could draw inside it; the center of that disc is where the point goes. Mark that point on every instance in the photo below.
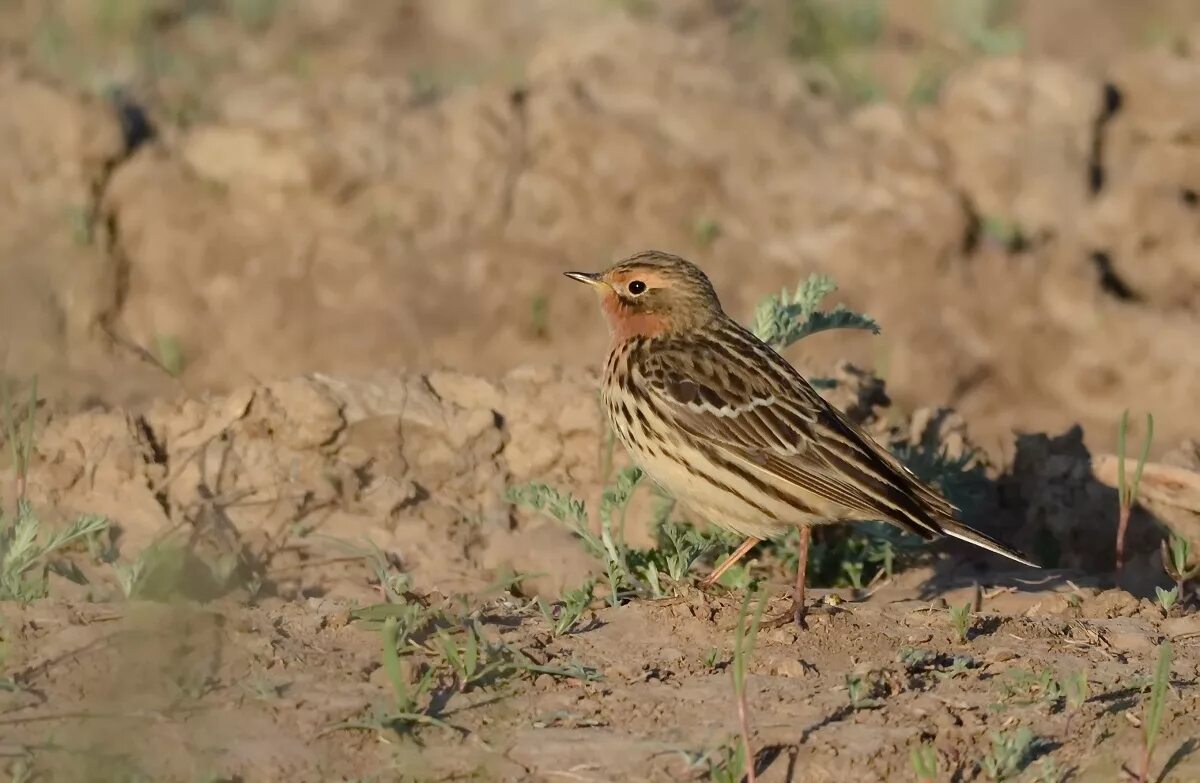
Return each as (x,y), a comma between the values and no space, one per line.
(652,294)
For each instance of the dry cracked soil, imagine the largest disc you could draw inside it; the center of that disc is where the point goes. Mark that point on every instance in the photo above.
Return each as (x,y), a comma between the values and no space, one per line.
(288,274)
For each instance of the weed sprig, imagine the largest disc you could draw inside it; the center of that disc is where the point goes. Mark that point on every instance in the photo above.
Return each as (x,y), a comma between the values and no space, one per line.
(1127,491)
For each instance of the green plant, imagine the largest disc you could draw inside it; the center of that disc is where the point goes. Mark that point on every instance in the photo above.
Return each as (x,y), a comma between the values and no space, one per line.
(1009,754)
(169,568)
(829,33)
(707,231)
(445,648)
(854,572)
(1127,492)
(1027,686)
(787,318)
(981,24)
(393,584)
(563,616)
(1167,598)
(169,353)
(255,15)
(1153,718)
(960,618)
(1048,771)
(21,546)
(406,696)
(1075,691)
(745,634)
(629,572)
(539,316)
(265,689)
(1177,556)
(1003,232)
(19,426)
(959,664)
(22,551)
(861,690)
(923,758)
(728,763)
(927,86)
(471,659)
(79,219)
(636,8)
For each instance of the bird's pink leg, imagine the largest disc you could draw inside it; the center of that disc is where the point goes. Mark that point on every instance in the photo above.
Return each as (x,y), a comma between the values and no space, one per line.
(798,608)
(730,562)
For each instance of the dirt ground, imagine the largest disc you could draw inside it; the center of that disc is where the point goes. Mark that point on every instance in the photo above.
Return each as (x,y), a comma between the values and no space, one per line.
(289,275)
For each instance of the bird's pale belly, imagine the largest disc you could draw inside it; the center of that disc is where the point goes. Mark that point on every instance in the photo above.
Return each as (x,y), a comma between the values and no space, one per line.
(720,502)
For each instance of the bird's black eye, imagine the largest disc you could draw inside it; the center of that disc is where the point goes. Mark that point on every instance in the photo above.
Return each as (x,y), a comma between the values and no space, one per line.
(636,287)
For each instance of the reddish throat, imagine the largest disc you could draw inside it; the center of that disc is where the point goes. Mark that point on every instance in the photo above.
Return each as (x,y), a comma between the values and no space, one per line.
(625,323)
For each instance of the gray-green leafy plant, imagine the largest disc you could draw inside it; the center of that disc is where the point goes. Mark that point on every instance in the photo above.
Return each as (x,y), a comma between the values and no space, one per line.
(1152,720)
(539,316)
(860,689)
(19,425)
(981,23)
(1027,686)
(25,555)
(1075,692)
(707,231)
(563,615)
(1002,231)
(629,572)
(1177,556)
(1009,754)
(406,696)
(923,758)
(443,648)
(1049,772)
(1167,598)
(918,661)
(170,568)
(927,86)
(255,15)
(960,619)
(1127,491)
(169,353)
(788,317)
(25,552)
(830,33)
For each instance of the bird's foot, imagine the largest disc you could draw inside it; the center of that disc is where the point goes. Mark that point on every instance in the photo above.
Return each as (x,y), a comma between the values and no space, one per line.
(796,615)
(800,612)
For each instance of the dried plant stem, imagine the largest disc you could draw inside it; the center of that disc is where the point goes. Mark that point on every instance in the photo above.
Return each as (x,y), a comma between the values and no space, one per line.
(1122,526)
(1127,491)
(744,726)
(743,645)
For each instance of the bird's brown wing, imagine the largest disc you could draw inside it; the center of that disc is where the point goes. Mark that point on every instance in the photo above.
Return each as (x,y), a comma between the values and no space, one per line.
(752,405)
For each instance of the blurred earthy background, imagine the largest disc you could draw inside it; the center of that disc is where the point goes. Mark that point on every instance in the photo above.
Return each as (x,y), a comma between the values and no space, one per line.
(249,189)
(288,274)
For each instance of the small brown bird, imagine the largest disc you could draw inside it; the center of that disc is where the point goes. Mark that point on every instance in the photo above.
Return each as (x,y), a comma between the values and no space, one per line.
(729,428)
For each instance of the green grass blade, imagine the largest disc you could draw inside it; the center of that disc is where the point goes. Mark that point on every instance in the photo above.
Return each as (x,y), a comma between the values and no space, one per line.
(1122,488)
(1158,695)
(391,662)
(1137,476)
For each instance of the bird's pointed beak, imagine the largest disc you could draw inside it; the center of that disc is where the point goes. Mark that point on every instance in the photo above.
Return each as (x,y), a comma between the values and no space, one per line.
(591,278)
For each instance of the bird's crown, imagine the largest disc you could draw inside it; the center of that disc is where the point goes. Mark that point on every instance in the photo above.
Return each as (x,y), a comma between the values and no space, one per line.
(652,293)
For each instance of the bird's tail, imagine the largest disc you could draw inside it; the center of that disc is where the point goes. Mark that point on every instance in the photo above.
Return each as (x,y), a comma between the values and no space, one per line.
(956,529)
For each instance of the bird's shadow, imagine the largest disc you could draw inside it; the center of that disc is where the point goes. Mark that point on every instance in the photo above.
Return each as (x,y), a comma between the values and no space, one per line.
(1015,508)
